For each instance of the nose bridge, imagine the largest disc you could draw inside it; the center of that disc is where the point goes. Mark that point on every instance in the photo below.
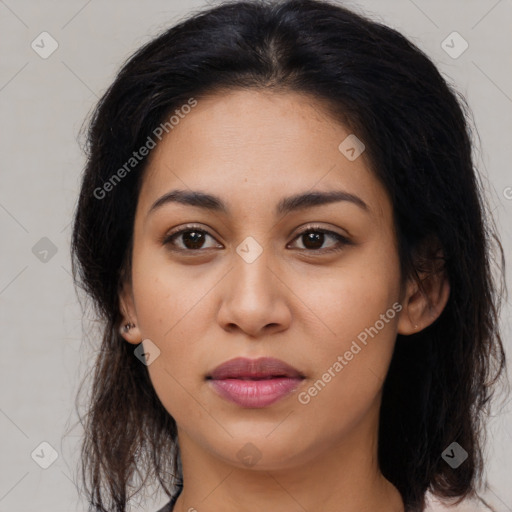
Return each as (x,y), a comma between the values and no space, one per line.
(253,268)
(251,298)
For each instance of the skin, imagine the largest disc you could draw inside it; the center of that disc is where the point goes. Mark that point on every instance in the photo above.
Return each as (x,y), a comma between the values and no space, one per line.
(295,303)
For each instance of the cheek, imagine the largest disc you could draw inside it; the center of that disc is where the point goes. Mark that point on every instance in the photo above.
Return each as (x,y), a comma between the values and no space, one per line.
(176,371)
(349,369)
(358,308)
(165,295)
(352,297)
(170,313)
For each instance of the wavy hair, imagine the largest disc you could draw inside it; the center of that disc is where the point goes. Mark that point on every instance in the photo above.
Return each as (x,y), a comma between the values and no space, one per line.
(418,137)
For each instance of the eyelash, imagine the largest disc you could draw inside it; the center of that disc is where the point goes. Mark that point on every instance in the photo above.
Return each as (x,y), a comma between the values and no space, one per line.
(342,241)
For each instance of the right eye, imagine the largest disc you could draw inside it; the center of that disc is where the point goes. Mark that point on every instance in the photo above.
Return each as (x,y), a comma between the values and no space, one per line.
(192,239)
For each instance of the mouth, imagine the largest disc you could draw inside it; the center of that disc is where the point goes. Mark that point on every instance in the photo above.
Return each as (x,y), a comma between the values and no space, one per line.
(254,383)
(254,369)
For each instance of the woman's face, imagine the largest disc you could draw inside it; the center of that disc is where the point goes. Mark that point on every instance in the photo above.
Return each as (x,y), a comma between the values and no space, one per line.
(265,279)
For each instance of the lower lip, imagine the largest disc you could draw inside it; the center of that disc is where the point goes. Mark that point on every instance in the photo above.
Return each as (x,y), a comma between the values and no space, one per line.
(255,393)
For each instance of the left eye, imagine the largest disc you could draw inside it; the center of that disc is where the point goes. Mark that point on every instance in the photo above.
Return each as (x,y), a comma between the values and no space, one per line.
(313,238)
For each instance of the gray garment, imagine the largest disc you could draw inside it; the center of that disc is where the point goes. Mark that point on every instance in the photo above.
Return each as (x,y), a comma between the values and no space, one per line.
(169,506)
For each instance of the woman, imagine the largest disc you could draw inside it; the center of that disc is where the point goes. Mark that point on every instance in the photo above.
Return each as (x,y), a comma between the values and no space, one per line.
(282,229)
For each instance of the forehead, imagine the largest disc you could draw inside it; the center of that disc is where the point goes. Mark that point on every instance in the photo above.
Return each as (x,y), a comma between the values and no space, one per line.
(266,143)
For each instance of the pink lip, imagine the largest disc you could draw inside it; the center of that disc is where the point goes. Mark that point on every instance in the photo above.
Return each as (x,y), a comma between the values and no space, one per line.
(254,382)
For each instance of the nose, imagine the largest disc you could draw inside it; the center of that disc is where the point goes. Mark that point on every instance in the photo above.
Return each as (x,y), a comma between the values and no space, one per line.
(255,300)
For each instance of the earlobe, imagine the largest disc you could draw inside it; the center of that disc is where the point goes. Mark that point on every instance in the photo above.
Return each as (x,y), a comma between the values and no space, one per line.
(129,335)
(128,327)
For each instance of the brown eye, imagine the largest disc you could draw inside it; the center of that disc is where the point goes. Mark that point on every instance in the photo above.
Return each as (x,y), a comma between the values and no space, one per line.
(189,239)
(193,239)
(314,238)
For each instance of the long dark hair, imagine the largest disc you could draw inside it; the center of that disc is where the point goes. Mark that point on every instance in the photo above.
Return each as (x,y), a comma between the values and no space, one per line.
(416,128)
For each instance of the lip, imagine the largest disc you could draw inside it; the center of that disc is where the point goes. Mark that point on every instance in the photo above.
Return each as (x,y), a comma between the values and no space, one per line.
(254,382)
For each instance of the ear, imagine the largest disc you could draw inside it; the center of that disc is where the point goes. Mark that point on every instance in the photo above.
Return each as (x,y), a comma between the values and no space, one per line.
(129,317)
(422,305)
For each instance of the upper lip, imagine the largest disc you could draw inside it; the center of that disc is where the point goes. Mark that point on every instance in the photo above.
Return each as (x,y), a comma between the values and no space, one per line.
(241,367)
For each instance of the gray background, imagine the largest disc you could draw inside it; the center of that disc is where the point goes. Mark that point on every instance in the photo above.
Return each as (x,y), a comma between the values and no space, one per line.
(43,104)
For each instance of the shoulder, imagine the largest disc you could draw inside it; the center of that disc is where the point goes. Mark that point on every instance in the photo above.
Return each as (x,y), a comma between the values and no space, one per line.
(434,504)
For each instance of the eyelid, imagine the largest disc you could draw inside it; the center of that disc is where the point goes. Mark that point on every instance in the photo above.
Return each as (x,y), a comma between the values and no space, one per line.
(318,227)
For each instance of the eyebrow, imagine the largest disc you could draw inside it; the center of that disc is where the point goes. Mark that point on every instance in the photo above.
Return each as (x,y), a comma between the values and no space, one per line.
(285,205)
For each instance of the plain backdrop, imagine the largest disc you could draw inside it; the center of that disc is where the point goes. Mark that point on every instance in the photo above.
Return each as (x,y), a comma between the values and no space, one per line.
(43,103)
